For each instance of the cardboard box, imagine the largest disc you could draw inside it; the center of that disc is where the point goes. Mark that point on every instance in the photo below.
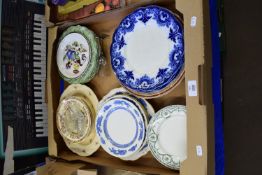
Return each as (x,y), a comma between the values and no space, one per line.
(200,124)
(57,167)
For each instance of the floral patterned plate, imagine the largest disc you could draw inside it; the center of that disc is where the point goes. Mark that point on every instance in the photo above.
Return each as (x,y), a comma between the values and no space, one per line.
(78,54)
(120,127)
(147,50)
(166,135)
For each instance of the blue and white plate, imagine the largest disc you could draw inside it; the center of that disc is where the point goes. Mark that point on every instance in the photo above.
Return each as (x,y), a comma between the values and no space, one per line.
(118,92)
(147,51)
(120,127)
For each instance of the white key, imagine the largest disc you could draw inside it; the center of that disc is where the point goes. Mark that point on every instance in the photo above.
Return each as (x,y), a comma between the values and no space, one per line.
(38,112)
(39,100)
(39,118)
(38,94)
(42,83)
(39,35)
(42,77)
(38,41)
(37,64)
(39,47)
(40,28)
(39,17)
(42,54)
(42,106)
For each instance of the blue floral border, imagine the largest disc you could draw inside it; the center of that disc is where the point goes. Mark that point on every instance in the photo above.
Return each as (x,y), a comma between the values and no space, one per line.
(165,76)
(119,149)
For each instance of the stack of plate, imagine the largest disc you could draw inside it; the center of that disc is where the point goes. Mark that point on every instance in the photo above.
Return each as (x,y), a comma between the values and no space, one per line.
(76,115)
(147,51)
(78,54)
(121,124)
(166,136)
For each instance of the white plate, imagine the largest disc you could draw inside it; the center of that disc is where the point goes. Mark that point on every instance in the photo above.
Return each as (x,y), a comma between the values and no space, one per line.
(150,112)
(73,55)
(121,127)
(147,51)
(166,135)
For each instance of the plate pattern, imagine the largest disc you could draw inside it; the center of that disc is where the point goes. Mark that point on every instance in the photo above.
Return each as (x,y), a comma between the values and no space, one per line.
(147,106)
(165,75)
(112,147)
(95,53)
(170,161)
(74,119)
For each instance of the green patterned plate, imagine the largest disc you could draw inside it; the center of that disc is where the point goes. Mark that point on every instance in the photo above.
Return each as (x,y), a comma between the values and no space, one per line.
(166,136)
(78,54)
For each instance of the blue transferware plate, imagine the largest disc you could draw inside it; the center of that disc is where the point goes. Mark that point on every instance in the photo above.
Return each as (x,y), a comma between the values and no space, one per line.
(147,50)
(120,127)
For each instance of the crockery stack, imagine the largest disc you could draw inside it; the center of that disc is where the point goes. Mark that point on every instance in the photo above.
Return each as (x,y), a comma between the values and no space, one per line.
(75,119)
(78,55)
(121,124)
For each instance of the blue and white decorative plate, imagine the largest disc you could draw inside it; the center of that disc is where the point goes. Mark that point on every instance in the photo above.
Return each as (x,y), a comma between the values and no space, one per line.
(120,127)
(147,51)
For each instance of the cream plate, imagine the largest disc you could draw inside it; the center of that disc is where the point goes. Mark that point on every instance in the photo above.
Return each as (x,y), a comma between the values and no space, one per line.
(166,136)
(73,119)
(91,142)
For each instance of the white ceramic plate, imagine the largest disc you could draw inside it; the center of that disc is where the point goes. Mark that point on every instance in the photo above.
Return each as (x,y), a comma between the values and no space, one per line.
(150,111)
(147,51)
(166,135)
(121,127)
